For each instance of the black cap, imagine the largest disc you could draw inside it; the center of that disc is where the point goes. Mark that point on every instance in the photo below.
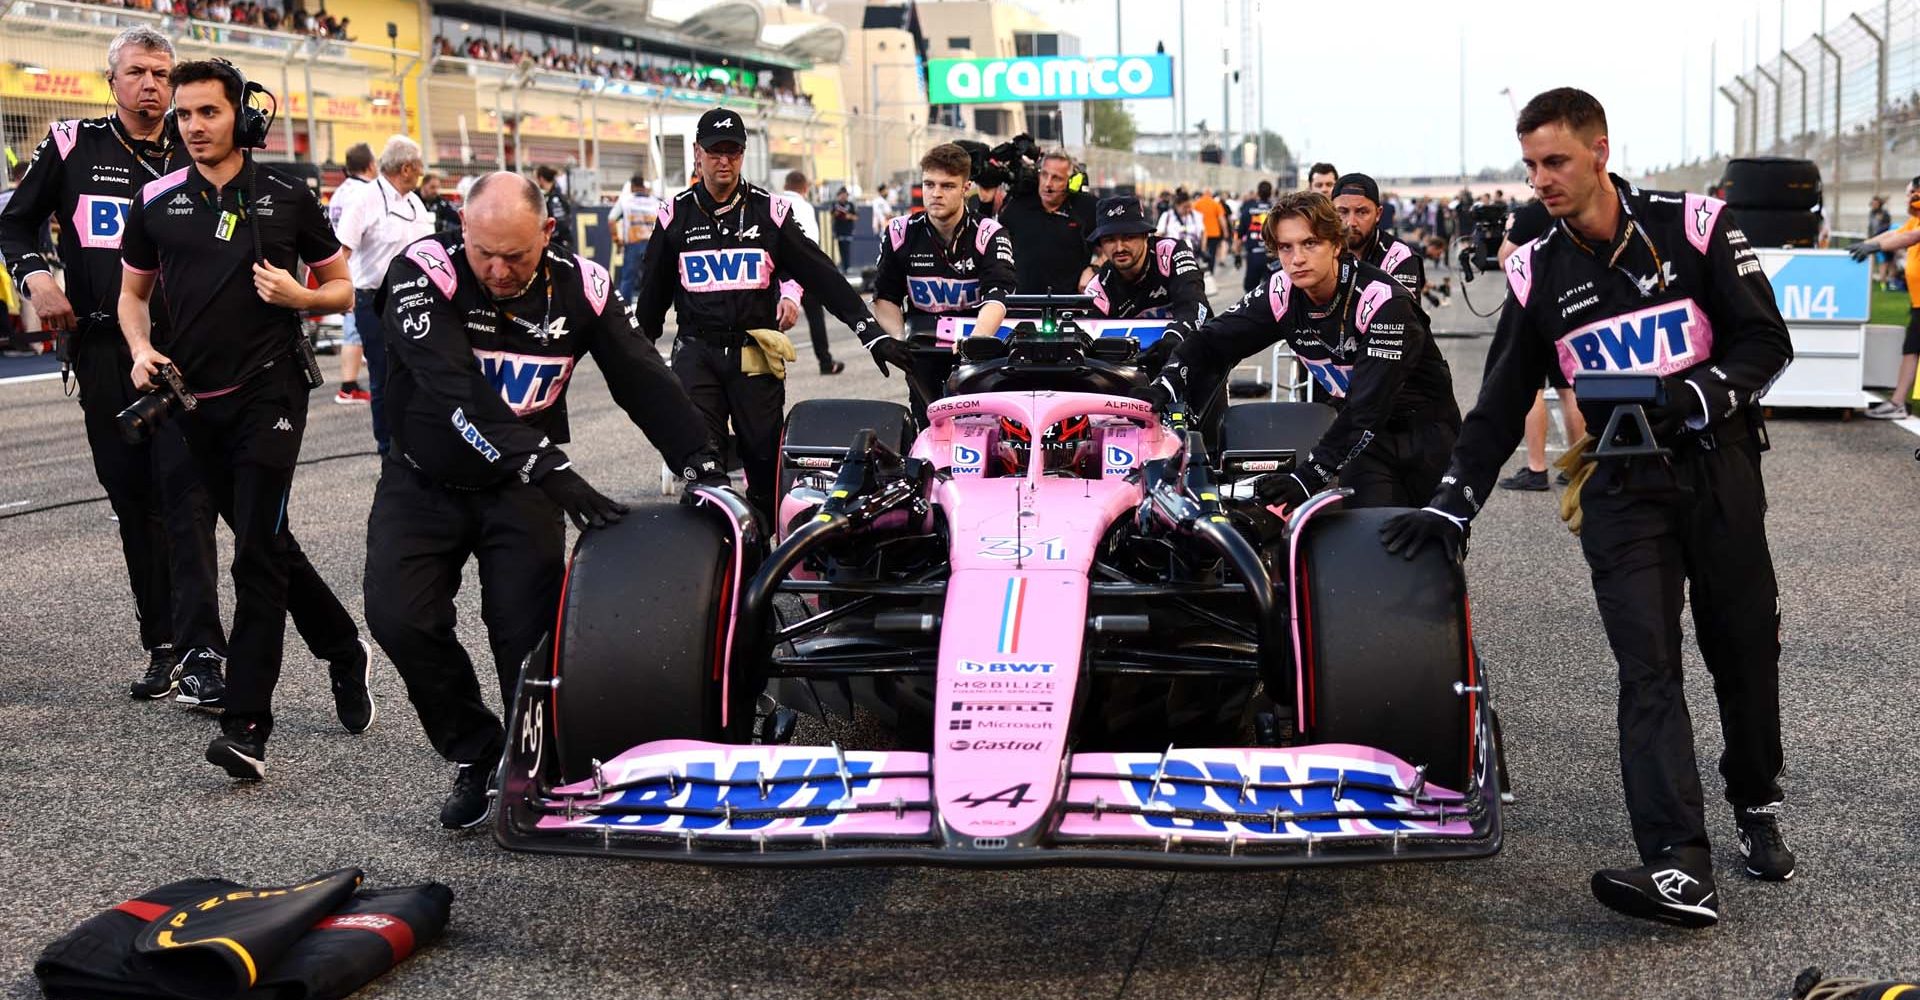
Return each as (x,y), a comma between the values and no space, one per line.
(1119,216)
(1359,184)
(720,125)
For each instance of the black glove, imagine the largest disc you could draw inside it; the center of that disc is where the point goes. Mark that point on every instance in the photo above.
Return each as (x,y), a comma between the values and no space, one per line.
(1682,404)
(1862,250)
(888,350)
(580,501)
(1285,489)
(1155,357)
(706,468)
(1407,533)
(1158,393)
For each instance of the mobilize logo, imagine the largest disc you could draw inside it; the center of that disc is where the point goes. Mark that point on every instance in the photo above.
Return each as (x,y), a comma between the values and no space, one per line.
(1014,745)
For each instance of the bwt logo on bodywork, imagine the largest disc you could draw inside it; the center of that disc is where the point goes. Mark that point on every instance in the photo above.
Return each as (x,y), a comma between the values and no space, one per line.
(528,383)
(938,294)
(725,270)
(1005,667)
(1664,339)
(966,459)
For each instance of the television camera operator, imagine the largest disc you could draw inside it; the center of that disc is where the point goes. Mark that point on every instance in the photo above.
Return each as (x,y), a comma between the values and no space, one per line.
(223,236)
(1049,225)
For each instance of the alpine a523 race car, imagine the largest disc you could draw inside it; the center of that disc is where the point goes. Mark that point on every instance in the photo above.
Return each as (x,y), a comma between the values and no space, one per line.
(1079,636)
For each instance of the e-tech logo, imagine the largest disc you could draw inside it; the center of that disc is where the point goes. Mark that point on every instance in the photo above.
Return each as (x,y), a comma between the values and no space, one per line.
(966,460)
(725,270)
(1005,667)
(99,220)
(528,382)
(1664,339)
(943,294)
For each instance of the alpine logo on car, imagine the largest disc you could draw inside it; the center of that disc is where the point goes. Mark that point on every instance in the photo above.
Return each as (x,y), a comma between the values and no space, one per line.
(528,383)
(99,220)
(1663,339)
(727,270)
(1005,667)
(942,294)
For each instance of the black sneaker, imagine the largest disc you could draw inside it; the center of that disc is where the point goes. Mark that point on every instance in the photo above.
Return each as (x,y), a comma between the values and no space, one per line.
(163,671)
(833,367)
(1530,480)
(1768,856)
(241,748)
(467,804)
(1664,890)
(202,679)
(352,702)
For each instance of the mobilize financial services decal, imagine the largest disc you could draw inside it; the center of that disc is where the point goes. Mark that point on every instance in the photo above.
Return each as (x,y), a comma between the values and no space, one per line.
(1049,78)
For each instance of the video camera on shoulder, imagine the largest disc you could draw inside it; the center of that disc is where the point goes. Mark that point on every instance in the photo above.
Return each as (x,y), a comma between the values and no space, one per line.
(1014,163)
(1489,229)
(156,407)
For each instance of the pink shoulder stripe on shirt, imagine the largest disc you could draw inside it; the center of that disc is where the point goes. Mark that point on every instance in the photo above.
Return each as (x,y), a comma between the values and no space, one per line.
(1701,214)
(161,185)
(1520,272)
(983,236)
(432,259)
(594,279)
(130,267)
(336,255)
(66,135)
(1277,288)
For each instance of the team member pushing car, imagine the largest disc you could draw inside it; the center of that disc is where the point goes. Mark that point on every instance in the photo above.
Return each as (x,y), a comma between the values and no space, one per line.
(485,327)
(716,256)
(1619,261)
(1358,333)
(223,237)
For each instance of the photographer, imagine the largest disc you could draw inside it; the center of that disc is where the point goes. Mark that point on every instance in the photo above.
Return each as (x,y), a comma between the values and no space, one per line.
(100,163)
(1659,532)
(487,326)
(1049,227)
(223,235)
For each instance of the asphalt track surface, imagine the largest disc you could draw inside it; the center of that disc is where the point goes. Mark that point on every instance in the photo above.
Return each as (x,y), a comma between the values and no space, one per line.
(106,796)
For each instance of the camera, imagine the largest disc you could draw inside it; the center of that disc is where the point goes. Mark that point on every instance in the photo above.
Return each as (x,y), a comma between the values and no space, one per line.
(1489,228)
(1014,163)
(151,410)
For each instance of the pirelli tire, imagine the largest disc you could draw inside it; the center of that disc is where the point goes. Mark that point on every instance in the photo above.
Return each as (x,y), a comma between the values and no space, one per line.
(1772,182)
(825,427)
(641,635)
(1384,641)
(1776,227)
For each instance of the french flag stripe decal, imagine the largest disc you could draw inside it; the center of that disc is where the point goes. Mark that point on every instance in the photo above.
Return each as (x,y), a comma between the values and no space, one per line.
(1010,613)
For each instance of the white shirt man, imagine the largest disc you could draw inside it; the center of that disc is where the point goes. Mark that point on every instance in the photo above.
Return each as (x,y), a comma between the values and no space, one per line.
(376,223)
(883,212)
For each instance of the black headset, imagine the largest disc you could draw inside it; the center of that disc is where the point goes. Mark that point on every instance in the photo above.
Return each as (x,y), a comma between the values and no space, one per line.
(251,124)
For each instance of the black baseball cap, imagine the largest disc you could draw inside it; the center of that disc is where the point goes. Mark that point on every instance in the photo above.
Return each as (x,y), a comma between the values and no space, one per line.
(1119,215)
(1359,184)
(720,125)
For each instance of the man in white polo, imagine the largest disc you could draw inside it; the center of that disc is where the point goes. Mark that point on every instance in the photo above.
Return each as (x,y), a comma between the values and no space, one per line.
(376,225)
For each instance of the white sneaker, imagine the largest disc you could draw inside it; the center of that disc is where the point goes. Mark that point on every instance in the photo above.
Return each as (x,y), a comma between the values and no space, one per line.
(1886,410)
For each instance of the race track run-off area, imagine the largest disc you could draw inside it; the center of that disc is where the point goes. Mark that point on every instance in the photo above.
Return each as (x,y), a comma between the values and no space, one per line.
(106,797)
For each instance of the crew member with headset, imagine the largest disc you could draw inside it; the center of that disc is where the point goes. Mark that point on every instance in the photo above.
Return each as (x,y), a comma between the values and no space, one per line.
(719,256)
(223,236)
(85,173)
(1356,330)
(1659,532)
(487,326)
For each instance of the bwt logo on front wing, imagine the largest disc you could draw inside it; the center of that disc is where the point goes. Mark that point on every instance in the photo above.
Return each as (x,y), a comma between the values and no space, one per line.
(528,383)
(1005,667)
(725,270)
(1664,339)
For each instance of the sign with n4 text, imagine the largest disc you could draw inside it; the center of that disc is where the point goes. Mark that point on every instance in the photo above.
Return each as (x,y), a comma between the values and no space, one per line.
(1818,286)
(1049,78)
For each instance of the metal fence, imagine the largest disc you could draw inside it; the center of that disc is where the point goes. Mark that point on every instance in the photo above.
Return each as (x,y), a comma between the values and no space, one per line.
(1848,99)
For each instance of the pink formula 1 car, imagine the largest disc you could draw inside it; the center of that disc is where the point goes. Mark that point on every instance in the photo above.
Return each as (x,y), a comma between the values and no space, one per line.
(1066,636)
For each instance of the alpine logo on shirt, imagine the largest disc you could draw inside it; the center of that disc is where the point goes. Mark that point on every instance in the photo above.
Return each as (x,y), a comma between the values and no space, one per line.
(943,294)
(1664,339)
(528,383)
(99,220)
(725,270)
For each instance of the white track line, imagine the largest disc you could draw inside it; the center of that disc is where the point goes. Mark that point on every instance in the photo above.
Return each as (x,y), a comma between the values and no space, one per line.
(42,377)
(1909,424)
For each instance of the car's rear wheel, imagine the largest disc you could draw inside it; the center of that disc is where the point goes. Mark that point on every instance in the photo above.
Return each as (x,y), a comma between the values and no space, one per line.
(1385,641)
(642,635)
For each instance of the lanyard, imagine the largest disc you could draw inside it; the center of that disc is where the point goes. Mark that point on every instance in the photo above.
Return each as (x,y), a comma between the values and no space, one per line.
(114,127)
(1634,228)
(540,332)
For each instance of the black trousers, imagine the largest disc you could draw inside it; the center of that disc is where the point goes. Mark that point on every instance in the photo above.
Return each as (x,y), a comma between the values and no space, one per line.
(1256,270)
(1649,532)
(817,329)
(756,405)
(373,347)
(1400,467)
(166,530)
(244,446)
(419,538)
(1213,251)
(846,253)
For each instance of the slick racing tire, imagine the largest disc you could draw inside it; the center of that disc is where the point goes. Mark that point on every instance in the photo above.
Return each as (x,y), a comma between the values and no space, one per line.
(1253,430)
(1385,640)
(642,631)
(820,427)
(1774,227)
(1776,182)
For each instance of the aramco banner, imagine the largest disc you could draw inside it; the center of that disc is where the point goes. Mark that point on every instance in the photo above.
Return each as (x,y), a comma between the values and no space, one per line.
(1049,78)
